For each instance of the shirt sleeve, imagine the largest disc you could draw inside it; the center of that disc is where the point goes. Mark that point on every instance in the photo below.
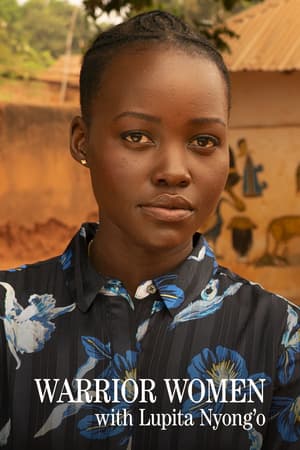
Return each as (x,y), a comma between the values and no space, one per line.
(4,409)
(284,421)
(5,422)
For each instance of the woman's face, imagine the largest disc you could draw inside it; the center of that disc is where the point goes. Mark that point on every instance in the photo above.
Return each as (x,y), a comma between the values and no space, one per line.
(157,146)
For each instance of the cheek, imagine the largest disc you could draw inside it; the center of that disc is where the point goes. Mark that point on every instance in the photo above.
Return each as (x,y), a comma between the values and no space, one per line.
(110,173)
(210,183)
(221,176)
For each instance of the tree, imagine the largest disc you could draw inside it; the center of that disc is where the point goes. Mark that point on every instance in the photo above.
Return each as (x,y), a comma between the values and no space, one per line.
(206,16)
(34,34)
(46,23)
(15,53)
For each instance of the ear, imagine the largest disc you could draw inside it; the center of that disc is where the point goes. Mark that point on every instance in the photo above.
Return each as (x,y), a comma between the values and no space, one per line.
(79,140)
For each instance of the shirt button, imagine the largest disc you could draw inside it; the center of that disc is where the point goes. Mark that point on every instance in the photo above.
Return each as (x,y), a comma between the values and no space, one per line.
(151,289)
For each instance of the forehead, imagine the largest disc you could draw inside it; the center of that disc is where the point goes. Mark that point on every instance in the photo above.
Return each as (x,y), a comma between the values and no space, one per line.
(161,77)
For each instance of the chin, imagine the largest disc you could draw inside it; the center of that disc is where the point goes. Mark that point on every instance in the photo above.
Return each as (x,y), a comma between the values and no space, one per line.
(167,239)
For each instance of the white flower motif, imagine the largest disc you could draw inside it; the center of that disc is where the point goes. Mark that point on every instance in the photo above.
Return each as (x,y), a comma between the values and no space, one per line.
(142,329)
(201,255)
(4,433)
(256,439)
(58,414)
(209,303)
(27,329)
(292,320)
(143,289)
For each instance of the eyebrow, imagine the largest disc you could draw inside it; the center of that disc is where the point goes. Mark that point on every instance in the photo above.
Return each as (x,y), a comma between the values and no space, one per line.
(200,120)
(150,118)
(138,115)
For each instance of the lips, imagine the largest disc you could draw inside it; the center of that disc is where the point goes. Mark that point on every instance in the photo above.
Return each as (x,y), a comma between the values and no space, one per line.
(168,208)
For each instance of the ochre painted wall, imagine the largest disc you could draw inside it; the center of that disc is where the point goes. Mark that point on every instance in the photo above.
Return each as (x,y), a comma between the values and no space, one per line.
(266,113)
(45,195)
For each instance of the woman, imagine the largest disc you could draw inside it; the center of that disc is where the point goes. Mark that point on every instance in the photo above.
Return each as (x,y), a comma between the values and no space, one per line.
(135,337)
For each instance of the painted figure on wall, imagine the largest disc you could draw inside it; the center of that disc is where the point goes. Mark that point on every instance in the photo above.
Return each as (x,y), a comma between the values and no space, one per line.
(252,187)
(279,231)
(298,178)
(213,227)
(232,180)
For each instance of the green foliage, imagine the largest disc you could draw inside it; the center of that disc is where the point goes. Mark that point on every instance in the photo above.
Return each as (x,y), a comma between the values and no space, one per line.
(206,16)
(46,24)
(34,34)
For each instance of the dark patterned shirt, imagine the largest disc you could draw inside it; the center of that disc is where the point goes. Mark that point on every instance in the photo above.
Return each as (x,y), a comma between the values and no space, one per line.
(199,359)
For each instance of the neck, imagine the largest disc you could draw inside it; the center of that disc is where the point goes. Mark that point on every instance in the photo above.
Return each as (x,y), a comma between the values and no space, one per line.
(130,263)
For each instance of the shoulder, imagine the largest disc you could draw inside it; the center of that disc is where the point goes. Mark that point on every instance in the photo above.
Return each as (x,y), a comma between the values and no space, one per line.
(58,277)
(30,270)
(264,305)
(43,277)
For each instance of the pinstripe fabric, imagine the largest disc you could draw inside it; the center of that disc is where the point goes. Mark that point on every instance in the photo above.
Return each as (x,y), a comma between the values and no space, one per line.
(201,324)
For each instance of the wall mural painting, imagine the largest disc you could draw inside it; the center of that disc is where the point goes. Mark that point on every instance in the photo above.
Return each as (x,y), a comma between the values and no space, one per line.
(298,179)
(278,234)
(280,231)
(252,187)
(213,227)
(241,235)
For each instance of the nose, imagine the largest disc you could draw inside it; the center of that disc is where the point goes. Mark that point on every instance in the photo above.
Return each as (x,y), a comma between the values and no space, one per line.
(171,167)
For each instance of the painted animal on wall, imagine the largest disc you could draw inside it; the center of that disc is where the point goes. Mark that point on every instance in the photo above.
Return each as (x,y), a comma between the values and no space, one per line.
(279,232)
(280,229)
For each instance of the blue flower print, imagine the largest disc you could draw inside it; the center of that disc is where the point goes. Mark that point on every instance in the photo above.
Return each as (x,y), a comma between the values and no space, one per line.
(94,348)
(82,232)
(66,259)
(291,343)
(200,256)
(95,351)
(287,412)
(207,304)
(18,269)
(256,439)
(210,291)
(90,427)
(205,250)
(115,288)
(125,369)
(210,253)
(172,295)
(157,306)
(121,367)
(27,329)
(222,364)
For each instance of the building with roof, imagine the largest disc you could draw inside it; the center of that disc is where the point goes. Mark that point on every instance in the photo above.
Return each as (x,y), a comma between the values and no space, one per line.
(260,237)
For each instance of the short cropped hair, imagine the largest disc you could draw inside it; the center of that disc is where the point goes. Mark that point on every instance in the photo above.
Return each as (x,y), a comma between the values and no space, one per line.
(157,26)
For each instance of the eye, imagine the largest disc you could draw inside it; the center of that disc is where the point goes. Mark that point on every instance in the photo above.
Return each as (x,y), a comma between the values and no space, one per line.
(204,142)
(136,137)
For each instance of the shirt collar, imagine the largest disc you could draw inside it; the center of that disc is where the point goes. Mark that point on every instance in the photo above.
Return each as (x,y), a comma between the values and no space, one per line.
(82,280)
(185,284)
(176,289)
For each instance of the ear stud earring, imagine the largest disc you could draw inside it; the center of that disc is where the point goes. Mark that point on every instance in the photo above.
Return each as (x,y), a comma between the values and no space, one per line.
(83,162)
